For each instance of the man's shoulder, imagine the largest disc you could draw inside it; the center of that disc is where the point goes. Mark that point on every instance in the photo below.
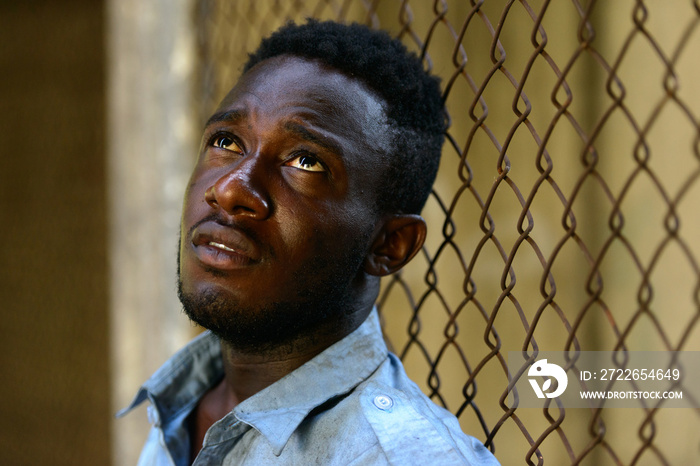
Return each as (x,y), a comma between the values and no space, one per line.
(410,427)
(388,419)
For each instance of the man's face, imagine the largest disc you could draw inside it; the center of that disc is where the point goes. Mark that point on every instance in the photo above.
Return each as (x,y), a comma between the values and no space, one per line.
(279,212)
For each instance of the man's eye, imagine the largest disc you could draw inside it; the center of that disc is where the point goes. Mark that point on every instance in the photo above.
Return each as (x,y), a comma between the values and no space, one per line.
(308,163)
(227,143)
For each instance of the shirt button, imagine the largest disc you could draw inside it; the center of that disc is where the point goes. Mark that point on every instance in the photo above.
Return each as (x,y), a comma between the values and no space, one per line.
(383,402)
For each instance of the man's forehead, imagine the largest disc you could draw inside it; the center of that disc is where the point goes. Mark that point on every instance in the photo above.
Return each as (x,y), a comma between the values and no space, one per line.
(303,85)
(278,76)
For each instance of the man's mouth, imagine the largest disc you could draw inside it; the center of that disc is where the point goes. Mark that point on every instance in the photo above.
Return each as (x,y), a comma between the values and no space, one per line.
(222,247)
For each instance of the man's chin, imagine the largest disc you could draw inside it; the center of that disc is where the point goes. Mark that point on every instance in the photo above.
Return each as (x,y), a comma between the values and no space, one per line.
(251,329)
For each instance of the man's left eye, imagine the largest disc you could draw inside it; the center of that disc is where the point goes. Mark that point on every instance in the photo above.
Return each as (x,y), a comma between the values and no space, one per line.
(308,163)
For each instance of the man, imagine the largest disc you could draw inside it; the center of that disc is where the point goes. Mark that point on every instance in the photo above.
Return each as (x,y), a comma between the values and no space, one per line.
(310,178)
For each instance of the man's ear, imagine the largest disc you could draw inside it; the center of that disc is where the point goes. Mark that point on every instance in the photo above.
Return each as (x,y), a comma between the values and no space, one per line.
(397,240)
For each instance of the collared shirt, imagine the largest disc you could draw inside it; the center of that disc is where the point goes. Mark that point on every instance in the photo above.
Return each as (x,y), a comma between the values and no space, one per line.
(351,404)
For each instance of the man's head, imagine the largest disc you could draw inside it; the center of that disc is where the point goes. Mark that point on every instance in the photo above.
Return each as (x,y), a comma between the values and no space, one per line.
(414,105)
(288,221)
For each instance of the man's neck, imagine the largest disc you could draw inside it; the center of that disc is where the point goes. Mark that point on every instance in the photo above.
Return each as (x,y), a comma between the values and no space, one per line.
(246,373)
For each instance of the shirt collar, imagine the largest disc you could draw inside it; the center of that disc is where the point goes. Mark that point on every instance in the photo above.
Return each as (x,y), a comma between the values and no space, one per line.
(183,379)
(277,411)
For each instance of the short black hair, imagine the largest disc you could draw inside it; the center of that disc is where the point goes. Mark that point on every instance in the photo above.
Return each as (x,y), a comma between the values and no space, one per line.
(415,109)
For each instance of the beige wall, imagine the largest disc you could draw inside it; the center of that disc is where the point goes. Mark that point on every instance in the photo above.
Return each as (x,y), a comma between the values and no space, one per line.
(152,143)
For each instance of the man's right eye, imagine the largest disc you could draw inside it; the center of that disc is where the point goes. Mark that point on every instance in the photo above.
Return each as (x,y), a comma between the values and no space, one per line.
(227,143)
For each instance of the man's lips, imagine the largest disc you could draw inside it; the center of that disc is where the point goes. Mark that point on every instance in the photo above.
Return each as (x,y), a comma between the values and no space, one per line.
(223,247)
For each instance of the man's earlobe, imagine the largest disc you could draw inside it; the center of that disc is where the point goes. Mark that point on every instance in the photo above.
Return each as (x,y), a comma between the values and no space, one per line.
(399,238)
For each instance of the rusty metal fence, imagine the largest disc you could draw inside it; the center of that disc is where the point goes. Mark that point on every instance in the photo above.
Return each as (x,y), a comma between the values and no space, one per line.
(565,215)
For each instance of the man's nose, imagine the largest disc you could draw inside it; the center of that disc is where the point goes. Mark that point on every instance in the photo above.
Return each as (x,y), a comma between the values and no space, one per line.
(241,191)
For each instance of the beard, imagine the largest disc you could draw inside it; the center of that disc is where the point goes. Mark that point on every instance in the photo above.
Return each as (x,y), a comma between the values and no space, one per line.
(324,292)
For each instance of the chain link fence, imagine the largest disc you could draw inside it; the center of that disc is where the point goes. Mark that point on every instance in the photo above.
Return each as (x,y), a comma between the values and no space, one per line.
(564,217)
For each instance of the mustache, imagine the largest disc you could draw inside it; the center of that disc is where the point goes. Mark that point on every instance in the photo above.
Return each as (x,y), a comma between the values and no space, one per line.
(218,219)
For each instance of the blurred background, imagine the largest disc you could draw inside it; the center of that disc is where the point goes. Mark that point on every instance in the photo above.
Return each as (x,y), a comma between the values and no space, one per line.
(54,333)
(564,218)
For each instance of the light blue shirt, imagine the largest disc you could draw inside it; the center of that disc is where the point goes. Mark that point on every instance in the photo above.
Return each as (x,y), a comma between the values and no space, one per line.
(351,404)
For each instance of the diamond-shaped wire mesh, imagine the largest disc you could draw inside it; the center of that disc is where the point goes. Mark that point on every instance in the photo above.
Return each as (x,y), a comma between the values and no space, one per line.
(564,215)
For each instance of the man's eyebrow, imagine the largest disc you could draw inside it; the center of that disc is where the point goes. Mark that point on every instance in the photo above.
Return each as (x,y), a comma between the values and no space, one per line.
(230,116)
(313,137)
